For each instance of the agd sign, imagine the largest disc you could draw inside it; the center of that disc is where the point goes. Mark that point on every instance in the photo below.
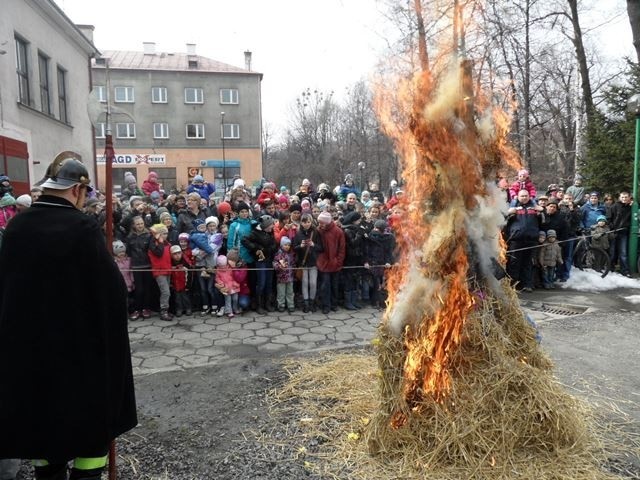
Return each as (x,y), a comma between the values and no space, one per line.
(133,159)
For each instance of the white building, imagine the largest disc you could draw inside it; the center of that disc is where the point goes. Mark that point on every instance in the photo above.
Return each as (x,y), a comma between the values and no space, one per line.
(45,79)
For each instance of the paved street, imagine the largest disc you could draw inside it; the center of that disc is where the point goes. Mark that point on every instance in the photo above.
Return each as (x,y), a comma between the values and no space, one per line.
(198,341)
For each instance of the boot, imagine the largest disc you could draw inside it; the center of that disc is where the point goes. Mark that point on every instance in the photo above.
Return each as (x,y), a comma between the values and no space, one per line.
(305,306)
(348,300)
(45,473)
(314,305)
(95,474)
(165,315)
(268,303)
(259,302)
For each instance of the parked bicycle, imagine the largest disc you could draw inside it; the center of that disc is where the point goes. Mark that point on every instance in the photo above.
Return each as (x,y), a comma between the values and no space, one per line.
(586,256)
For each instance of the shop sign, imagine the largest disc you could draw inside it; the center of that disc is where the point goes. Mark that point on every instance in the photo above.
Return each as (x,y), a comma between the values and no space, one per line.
(132,159)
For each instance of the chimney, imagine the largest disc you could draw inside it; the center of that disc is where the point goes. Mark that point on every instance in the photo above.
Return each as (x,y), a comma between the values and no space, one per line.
(87,31)
(247,60)
(149,48)
(191,48)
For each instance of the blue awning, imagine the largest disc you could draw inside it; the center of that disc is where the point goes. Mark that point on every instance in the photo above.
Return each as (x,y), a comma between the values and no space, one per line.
(220,163)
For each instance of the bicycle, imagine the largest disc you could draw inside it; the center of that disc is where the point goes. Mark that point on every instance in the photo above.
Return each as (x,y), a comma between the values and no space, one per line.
(586,256)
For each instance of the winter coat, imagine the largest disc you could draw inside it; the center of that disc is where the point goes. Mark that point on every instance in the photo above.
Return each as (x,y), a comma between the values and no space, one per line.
(577,192)
(138,248)
(280,231)
(6,214)
(258,239)
(186,218)
(550,255)
(225,281)
(557,222)
(149,187)
(621,216)
(283,263)
(573,219)
(160,258)
(590,213)
(314,251)
(346,190)
(332,256)
(65,363)
(132,191)
(180,275)
(524,225)
(239,229)
(355,238)
(264,196)
(241,275)
(204,190)
(601,236)
(124,265)
(526,185)
(379,249)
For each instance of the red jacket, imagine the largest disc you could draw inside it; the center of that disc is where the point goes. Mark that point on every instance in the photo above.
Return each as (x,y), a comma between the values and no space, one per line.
(241,275)
(160,258)
(266,195)
(332,257)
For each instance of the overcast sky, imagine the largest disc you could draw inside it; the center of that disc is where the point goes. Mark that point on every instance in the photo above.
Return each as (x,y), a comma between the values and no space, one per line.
(324,44)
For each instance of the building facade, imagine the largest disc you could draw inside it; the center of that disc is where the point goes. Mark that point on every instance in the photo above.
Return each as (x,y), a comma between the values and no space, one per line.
(179,115)
(44,83)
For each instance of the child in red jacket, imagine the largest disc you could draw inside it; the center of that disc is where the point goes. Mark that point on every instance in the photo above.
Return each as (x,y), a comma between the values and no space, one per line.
(180,281)
(160,258)
(240,275)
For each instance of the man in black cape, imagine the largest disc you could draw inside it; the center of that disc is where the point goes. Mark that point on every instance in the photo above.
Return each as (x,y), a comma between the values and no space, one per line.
(66,384)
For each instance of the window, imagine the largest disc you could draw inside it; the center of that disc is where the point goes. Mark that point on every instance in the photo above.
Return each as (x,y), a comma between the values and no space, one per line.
(230,130)
(158,94)
(193,95)
(62,95)
(126,130)
(101,93)
(43,66)
(101,130)
(229,95)
(195,130)
(22,69)
(124,94)
(160,130)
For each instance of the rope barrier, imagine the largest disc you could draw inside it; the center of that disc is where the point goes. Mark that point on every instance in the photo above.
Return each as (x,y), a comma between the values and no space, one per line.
(540,245)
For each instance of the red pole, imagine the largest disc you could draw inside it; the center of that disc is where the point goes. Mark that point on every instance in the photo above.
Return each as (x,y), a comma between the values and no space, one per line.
(113,472)
(109,155)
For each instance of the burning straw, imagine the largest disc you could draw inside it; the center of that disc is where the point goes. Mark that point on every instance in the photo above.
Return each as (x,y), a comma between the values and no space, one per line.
(464,390)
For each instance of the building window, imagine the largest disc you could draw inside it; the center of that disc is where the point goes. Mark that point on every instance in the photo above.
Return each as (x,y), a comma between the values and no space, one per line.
(158,94)
(126,130)
(124,94)
(160,130)
(101,130)
(62,95)
(229,95)
(230,130)
(193,95)
(45,100)
(195,130)
(22,69)
(101,93)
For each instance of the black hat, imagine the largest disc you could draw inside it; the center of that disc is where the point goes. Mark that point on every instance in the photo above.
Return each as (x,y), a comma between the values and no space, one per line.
(296,207)
(65,171)
(242,206)
(266,221)
(380,225)
(350,217)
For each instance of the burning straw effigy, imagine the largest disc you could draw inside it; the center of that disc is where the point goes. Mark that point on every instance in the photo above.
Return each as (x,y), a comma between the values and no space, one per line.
(464,389)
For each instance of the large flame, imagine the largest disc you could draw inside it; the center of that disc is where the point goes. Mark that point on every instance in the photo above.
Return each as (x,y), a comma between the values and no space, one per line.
(450,140)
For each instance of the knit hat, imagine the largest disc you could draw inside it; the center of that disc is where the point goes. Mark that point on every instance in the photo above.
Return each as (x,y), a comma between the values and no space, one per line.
(119,247)
(601,218)
(152,175)
(305,204)
(551,233)
(198,179)
(221,261)
(129,179)
(350,217)
(165,215)
(348,178)
(175,249)
(197,222)
(266,221)
(159,228)
(133,199)
(283,188)
(223,208)
(283,199)
(306,182)
(212,219)
(24,200)
(542,234)
(553,201)
(238,183)
(4,178)
(325,218)
(154,195)
(269,185)
(233,255)
(242,206)
(161,210)
(594,194)
(323,187)
(183,236)
(7,200)
(523,172)
(295,208)
(380,225)
(285,241)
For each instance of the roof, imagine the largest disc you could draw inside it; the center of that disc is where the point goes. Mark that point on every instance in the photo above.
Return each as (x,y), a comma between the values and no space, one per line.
(128,60)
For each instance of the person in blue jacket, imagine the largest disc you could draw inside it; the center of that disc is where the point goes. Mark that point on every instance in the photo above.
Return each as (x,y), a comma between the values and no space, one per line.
(591,210)
(198,185)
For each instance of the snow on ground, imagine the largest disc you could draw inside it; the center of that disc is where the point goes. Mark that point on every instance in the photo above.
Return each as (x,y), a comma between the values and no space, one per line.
(590,281)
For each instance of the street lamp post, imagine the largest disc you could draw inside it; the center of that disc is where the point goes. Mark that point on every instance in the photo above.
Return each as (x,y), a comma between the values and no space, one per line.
(633,106)
(361,167)
(224,158)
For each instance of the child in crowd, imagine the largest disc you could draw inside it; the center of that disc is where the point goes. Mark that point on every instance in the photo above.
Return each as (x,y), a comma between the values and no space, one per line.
(379,247)
(160,257)
(522,183)
(180,280)
(601,236)
(183,241)
(535,259)
(200,248)
(138,247)
(215,241)
(124,265)
(550,257)
(307,245)
(227,286)
(240,275)
(7,209)
(283,263)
